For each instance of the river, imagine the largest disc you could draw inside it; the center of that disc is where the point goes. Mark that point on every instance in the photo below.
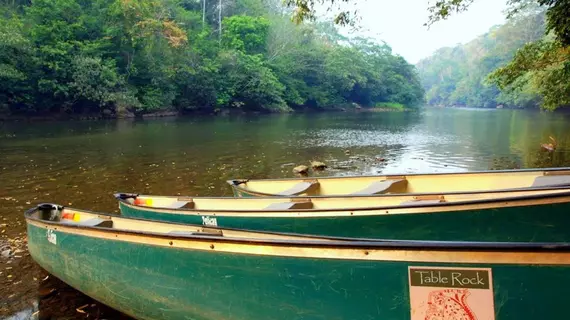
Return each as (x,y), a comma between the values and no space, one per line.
(83,163)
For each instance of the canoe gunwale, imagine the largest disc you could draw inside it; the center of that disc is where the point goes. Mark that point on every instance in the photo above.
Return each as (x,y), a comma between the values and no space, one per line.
(236,183)
(306,240)
(123,201)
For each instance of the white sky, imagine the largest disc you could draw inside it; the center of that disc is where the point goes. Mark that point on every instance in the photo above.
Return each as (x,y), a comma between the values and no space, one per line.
(400,24)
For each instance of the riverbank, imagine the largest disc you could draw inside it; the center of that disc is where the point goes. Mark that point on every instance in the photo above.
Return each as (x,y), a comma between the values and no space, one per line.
(499,107)
(173,113)
(30,292)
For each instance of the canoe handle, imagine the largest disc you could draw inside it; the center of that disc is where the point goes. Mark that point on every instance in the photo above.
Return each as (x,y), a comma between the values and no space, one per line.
(238,182)
(125,196)
(48,211)
(49,206)
(43,207)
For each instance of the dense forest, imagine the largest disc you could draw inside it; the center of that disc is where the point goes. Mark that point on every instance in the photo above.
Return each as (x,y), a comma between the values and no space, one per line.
(133,57)
(462,75)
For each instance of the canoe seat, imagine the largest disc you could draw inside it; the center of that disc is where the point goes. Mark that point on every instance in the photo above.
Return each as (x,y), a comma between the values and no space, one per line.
(300,188)
(552,181)
(182,204)
(384,186)
(93,222)
(290,205)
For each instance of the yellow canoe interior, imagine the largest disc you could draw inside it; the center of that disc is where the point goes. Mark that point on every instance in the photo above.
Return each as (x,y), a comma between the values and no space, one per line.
(269,204)
(414,183)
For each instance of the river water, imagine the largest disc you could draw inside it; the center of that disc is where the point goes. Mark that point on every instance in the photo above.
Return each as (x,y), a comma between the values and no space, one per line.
(83,163)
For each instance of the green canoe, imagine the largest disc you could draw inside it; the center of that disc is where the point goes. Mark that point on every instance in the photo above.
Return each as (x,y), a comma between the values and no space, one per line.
(525,215)
(152,270)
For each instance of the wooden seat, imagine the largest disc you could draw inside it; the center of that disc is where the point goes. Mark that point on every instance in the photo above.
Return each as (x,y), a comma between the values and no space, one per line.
(290,205)
(385,186)
(300,188)
(552,181)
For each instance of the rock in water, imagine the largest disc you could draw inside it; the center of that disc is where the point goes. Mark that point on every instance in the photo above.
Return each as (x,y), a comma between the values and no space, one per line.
(6,253)
(317,165)
(550,147)
(301,169)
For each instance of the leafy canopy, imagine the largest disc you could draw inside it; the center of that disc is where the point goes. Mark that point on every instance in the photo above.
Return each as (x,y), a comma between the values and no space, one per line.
(143,56)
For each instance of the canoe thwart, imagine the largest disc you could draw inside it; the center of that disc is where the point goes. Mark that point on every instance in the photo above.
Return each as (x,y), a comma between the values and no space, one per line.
(300,188)
(384,186)
(552,180)
(421,202)
(290,205)
(425,199)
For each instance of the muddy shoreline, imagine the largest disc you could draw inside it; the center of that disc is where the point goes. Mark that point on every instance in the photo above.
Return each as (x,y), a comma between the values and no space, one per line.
(30,292)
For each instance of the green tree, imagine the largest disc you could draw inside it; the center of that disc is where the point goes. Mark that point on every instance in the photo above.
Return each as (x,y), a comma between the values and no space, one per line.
(142,56)
(15,65)
(245,33)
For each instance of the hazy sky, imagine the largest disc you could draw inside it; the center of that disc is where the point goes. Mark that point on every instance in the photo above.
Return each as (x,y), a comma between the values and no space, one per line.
(400,24)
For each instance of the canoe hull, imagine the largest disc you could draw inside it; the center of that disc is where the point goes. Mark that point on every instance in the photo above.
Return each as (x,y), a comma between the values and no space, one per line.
(428,183)
(156,282)
(536,223)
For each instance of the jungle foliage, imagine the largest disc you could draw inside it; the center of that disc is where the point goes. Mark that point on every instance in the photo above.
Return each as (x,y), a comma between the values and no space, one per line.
(142,56)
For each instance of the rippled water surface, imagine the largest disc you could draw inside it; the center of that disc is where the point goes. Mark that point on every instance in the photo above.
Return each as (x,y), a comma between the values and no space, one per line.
(83,163)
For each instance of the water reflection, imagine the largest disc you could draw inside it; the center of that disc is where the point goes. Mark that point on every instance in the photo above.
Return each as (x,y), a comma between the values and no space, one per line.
(31,313)
(46,297)
(83,163)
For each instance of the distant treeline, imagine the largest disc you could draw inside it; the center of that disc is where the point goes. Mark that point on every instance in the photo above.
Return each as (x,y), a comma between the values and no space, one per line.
(143,56)
(463,75)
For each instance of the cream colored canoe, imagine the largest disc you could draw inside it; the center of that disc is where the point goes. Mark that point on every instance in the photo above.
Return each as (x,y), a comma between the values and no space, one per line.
(476,181)
(515,215)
